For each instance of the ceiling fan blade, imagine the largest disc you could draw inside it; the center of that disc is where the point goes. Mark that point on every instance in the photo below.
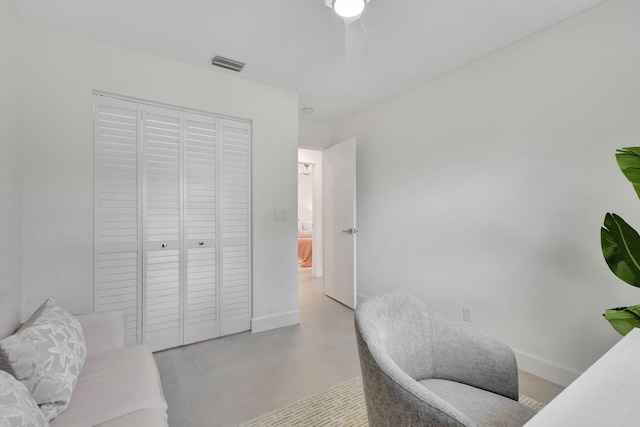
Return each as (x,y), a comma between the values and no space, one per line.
(356,46)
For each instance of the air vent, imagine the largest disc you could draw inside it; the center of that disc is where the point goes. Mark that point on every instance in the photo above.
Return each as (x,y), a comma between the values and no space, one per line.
(227,63)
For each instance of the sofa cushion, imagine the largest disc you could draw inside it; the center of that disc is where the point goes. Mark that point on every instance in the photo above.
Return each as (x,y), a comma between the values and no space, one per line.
(17,407)
(47,354)
(484,408)
(113,384)
(144,417)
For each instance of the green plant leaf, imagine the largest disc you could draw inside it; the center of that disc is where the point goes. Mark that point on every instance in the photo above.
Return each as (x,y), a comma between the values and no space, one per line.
(623,319)
(621,249)
(621,246)
(629,162)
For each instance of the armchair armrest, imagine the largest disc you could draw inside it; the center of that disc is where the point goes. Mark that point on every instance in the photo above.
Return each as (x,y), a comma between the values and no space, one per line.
(103,331)
(464,355)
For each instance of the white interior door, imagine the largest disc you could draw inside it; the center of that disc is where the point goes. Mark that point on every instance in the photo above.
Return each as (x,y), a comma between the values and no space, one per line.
(200,204)
(162,325)
(117,223)
(339,211)
(235,226)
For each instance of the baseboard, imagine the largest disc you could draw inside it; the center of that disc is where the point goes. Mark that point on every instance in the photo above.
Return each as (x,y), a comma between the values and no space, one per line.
(546,369)
(274,321)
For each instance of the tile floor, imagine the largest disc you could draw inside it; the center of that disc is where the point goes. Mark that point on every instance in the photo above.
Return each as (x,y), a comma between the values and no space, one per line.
(230,380)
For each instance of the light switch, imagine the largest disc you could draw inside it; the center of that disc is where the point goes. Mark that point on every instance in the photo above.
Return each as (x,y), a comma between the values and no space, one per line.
(280,214)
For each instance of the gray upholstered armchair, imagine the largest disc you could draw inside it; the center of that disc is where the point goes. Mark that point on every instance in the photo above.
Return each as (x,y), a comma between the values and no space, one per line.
(420,368)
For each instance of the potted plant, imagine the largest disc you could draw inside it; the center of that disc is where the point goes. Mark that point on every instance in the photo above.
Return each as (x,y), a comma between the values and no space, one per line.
(621,246)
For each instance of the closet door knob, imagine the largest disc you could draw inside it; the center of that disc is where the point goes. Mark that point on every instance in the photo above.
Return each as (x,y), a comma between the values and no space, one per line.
(164,245)
(201,243)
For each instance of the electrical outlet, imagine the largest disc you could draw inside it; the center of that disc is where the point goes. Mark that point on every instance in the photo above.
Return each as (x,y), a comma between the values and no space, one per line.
(467,313)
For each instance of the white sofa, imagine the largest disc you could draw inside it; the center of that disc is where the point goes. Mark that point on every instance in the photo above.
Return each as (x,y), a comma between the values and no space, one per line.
(118,386)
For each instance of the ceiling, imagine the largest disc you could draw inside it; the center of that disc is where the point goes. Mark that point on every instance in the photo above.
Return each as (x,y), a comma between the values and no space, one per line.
(299,44)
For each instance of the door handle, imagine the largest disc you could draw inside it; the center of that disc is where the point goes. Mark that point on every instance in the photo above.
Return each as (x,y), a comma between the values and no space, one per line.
(350,231)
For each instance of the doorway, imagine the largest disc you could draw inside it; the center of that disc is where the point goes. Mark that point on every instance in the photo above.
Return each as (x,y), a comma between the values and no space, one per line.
(305,216)
(310,211)
(333,228)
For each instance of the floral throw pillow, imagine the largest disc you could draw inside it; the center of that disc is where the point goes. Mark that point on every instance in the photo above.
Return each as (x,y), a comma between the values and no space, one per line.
(47,354)
(5,365)
(17,407)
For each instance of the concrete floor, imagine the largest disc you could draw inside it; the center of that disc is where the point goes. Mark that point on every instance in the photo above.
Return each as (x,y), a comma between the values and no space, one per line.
(229,380)
(536,388)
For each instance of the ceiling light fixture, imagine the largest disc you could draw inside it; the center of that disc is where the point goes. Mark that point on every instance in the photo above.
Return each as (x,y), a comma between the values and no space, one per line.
(348,8)
(305,168)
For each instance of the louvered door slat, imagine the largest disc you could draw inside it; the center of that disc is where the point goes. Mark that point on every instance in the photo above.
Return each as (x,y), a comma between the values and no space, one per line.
(116,210)
(201,313)
(162,204)
(235,227)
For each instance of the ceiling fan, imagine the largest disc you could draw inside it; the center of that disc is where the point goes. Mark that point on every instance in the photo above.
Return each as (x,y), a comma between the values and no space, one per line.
(356,45)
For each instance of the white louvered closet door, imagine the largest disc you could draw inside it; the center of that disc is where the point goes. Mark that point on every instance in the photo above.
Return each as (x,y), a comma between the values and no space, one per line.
(117,259)
(172,221)
(235,226)
(161,147)
(200,189)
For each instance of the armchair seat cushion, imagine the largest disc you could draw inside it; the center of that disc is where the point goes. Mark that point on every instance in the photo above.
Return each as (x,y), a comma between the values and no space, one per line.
(484,408)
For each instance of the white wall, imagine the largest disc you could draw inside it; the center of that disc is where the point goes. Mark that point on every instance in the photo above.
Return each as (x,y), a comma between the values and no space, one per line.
(10,169)
(60,73)
(488,188)
(314,135)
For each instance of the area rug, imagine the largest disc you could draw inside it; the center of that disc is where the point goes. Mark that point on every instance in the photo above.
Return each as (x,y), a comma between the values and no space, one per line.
(341,405)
